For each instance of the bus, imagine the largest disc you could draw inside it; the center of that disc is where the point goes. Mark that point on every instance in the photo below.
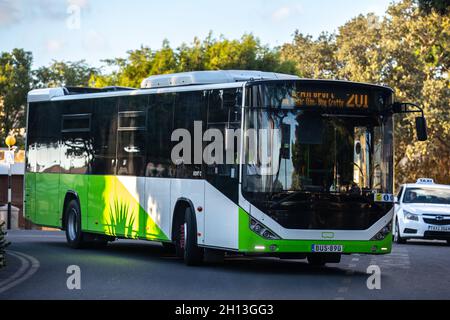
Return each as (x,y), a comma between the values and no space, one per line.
(217,163)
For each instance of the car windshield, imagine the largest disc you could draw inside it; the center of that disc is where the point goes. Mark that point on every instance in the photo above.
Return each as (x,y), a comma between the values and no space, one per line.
(427,195)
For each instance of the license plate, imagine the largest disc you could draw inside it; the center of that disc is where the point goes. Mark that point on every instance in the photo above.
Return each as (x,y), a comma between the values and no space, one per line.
(439,228)
(327,248)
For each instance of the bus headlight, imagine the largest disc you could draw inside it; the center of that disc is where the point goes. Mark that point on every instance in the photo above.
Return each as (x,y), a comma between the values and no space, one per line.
(410,216)
(383,233)
(262,230)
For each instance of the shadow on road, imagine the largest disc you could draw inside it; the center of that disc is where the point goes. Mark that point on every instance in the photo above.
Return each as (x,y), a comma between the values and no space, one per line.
(425,243)
(147,252)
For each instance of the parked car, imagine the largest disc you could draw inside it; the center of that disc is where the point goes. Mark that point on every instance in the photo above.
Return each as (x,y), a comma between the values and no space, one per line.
(422,211)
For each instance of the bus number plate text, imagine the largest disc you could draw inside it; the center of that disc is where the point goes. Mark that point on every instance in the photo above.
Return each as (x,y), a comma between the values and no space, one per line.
(327,248)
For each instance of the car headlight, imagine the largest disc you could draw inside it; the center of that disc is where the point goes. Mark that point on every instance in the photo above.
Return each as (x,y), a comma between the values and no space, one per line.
(262,230)
(410,216)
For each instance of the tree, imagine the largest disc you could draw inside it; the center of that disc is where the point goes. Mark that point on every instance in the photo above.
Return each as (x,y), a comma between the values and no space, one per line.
(61,74)
(15,82)
(312,58)
(417,46)
(440,6)
(209,54)
(408,51)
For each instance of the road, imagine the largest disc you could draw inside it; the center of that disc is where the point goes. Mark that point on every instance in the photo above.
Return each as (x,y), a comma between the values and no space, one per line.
(38,262)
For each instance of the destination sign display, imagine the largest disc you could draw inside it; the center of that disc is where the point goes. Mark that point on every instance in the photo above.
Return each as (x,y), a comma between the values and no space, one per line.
(331,99)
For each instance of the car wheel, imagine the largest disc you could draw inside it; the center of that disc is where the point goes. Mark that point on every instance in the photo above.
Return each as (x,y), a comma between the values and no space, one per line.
(193,254)
(74,235)
(397,237)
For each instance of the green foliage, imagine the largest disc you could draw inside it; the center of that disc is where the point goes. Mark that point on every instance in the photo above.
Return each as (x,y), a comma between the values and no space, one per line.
(3,245)
(60,74)
(209,54)
(440,6)
(313,59)
(15,82)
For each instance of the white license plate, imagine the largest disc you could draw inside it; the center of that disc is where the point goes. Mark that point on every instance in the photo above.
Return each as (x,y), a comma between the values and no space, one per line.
(327,248)
(439,228)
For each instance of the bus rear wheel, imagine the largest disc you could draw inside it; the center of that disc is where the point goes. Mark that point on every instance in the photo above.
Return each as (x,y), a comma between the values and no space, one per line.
(74,235)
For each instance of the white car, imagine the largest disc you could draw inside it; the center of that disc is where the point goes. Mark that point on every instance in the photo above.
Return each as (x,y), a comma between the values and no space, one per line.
(422,211)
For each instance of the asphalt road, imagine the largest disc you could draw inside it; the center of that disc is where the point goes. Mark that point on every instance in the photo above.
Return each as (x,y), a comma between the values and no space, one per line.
(38,262)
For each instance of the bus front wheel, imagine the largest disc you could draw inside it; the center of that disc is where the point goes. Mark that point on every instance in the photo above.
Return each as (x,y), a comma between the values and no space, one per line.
(193,254)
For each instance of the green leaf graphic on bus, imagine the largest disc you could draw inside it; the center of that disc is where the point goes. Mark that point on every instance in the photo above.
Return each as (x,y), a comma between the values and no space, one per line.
(121,220)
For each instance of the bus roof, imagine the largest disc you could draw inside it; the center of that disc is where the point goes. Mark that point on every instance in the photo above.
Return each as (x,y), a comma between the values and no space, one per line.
(178,82)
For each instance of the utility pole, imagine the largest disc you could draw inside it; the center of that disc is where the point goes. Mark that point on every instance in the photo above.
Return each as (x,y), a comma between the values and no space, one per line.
(9,156)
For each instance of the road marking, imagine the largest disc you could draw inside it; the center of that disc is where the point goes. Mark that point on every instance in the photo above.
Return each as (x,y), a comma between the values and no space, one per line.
(29,266)
(398,259)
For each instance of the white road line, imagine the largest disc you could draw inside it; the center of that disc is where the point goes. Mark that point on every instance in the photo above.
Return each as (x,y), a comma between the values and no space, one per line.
(29,266)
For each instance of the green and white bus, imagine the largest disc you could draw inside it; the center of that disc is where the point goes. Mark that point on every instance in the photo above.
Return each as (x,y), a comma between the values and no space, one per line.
(314,182)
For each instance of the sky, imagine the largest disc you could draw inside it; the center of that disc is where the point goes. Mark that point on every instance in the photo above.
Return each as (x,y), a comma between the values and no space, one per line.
(93,30)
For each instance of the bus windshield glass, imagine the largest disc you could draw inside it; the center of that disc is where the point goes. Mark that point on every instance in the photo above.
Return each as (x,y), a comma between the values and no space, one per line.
(295,153)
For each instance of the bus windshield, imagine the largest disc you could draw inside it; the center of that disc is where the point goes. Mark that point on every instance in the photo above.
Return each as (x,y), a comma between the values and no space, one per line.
(309,158)
(296,151)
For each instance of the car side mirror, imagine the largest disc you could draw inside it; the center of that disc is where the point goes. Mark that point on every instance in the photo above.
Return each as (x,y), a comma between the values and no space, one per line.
(421,129)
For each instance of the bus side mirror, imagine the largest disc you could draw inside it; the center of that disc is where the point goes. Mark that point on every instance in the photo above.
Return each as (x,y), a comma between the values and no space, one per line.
(421,128)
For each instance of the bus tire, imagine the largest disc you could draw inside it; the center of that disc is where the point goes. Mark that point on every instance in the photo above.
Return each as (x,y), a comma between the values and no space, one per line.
(74,235)
(193,254)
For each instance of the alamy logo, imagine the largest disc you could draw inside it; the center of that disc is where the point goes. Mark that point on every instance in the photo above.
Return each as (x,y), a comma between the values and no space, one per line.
(224,147)
(74,280)
(374,280)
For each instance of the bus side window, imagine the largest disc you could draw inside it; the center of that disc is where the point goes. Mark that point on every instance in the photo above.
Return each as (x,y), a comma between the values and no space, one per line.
(190,107)
(76,129)
(159,130)
(131,136)
(104,136)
